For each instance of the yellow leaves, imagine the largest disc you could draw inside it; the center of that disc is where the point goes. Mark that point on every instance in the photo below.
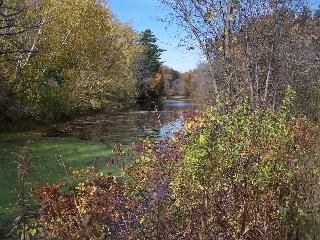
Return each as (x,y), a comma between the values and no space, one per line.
(148,143)
(82,41)
(197,123)
(175,139)
(212,118)
(202,139)
(94,189)
(95,104)
(158,77)
(210,15)
(188,126)
(235,40)
(82,172)
(142,220)
(95,47)
(179,130)
(80,187)
(145,159)
(316,170)
(86,172)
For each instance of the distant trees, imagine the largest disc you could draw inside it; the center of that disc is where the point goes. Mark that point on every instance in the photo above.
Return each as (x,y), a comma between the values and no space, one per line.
(190,82)
(176,83)
(170,78)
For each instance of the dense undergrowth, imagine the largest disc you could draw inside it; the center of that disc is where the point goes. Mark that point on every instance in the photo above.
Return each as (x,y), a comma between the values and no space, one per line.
(244,174)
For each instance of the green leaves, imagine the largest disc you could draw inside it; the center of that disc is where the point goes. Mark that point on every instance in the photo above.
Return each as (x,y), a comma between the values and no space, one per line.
(147,66)
(239,155)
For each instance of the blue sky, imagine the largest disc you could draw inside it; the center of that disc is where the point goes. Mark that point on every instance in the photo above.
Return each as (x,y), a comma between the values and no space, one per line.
(144,14)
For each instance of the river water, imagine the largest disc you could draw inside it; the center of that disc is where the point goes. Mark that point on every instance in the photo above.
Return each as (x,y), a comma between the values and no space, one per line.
(78,144)
(126,125)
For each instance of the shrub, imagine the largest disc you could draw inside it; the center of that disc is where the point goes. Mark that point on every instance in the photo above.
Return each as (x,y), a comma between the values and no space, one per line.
(96,209)
(247,174)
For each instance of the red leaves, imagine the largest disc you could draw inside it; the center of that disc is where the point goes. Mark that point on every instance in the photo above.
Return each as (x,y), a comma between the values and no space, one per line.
(118,148)
(223,175)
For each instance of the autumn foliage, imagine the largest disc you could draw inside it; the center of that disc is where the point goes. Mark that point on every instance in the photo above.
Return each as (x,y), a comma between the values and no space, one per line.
(245,168)
(95,209)
(59,59)
(245,174)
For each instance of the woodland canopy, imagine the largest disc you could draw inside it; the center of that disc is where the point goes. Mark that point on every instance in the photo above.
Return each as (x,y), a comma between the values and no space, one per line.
(61,58)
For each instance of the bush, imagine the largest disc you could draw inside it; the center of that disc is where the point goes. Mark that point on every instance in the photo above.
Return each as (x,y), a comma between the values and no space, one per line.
(248,174)
(96,209)
(245,174)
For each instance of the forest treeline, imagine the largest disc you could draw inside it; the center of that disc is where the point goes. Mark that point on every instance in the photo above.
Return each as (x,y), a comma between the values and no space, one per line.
(61,58)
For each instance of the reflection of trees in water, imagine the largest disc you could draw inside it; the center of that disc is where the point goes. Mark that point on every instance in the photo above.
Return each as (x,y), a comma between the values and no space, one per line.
(150,123)
(129,125)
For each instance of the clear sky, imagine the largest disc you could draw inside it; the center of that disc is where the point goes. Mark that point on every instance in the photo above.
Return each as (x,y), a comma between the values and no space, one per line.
(144,15)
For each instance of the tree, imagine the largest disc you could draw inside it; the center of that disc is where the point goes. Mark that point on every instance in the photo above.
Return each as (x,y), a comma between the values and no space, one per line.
(148,62)
(72,64)
(242,42)
(205,20)
(15,50)
(189,82)
(169,77)
(152,51)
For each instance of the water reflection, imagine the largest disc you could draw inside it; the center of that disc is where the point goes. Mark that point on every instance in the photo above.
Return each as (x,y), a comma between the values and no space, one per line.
(175,105)
(169,128)
(178,104)
(129,124)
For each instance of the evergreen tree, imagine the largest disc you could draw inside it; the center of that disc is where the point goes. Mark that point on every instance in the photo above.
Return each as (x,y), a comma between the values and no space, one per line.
(152,51)
(148,65)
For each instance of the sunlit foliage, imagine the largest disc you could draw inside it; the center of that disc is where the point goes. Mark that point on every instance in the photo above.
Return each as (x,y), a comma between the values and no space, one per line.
(75,56)
(96,209)
(247,174)
(243,174)
(147,66)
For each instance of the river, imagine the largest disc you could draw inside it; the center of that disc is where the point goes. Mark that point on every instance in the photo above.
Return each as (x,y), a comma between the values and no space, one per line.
(59,149)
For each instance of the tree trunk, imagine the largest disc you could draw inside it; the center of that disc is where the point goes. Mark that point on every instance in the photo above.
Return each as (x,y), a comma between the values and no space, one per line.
(202,46)
(227,49)
(268,79)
